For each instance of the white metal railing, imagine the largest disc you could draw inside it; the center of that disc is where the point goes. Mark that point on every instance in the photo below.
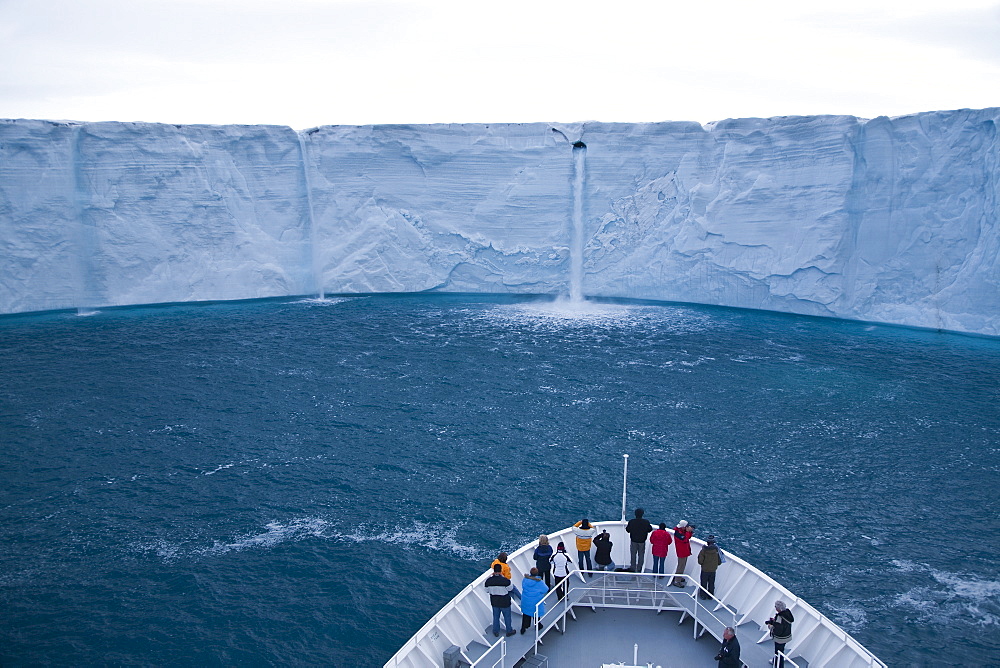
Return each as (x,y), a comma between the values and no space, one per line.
(485,658)
(788,660)
(503,654)
(598,593)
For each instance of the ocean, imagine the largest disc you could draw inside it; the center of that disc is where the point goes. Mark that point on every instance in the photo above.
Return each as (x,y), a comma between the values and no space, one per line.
(305,482)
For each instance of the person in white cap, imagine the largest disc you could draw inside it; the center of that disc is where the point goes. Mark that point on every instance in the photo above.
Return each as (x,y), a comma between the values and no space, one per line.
(682,543)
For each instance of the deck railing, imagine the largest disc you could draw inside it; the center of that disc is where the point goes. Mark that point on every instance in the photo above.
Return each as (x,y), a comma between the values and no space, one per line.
(640,591)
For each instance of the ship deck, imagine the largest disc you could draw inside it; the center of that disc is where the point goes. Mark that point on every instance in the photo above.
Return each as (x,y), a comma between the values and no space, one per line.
(607,618)
(612,636)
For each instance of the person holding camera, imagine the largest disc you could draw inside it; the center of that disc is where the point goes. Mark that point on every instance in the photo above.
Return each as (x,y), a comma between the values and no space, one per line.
(603,555)
(682,540)
(781,631)
(729,654)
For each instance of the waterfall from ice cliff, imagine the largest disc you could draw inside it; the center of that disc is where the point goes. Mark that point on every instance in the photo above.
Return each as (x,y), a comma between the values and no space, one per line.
(85,236)
(576,242)
(314,269)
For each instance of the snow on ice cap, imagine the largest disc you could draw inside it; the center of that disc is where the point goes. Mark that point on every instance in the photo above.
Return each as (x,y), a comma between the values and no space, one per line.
(682,523)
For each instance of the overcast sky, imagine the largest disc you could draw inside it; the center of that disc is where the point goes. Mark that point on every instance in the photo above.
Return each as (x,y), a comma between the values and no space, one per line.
(315,62)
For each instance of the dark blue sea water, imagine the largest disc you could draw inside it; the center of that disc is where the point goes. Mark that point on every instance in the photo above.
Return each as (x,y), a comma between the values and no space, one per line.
(261,483)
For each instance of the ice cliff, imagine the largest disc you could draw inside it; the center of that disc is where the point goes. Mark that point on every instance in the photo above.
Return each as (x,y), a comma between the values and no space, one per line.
(891,220)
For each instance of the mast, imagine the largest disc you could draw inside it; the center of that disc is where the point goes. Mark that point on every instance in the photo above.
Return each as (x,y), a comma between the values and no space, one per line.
(624,486)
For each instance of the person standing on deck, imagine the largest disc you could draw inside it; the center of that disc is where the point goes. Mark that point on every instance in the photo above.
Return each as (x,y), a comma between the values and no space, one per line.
(501,560)
(584,532)
(781,631)
(499,589)
(682,541)
(729,655)
(561,565)
(709,560)
(638,530)
(661,545)
(603,555)
(542,555)
(531,600)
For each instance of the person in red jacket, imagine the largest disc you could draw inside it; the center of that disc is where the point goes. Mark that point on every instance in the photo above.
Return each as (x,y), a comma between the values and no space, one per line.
(682,544)
(661,543)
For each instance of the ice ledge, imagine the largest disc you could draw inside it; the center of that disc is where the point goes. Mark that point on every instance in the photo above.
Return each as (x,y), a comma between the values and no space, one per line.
(889,219)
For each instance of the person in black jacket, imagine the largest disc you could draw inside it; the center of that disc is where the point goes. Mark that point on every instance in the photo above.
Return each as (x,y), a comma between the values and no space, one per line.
(781,631)
(638,530)
(729,655)
(603,556)
(500,588)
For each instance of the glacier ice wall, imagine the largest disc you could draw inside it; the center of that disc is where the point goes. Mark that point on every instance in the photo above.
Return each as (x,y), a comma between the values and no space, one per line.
(134,213)
(891,220)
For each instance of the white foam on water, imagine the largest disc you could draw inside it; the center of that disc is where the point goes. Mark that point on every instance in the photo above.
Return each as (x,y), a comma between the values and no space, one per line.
(274,533)
(323,301)
(437,537)
(218,468)
(746,359)
(956,596)
(562,313)
(851,617)
(171,428)
(701,360)
(301,373)
(166,551)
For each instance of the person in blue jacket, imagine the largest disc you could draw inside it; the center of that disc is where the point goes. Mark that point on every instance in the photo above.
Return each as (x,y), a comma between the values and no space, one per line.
(543,555)
(532,591)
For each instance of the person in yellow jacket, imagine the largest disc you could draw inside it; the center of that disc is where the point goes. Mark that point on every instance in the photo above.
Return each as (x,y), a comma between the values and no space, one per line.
(584,532)
(505,570)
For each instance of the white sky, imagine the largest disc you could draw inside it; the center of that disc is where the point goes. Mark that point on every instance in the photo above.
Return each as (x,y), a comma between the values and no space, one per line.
(315,62)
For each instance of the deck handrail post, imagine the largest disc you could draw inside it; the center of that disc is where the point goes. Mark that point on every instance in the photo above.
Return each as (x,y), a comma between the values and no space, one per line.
(695,634)
(534,622)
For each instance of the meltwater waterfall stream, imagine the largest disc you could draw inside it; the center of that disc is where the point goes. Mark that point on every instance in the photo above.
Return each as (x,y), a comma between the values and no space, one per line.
(314,269)
(85,233)
(576,242)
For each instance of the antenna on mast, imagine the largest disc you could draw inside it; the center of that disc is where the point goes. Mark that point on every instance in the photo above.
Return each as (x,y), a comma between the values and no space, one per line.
(624,486)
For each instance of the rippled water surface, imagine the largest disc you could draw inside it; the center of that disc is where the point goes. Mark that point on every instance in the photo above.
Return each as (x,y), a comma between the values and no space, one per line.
(262,483)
